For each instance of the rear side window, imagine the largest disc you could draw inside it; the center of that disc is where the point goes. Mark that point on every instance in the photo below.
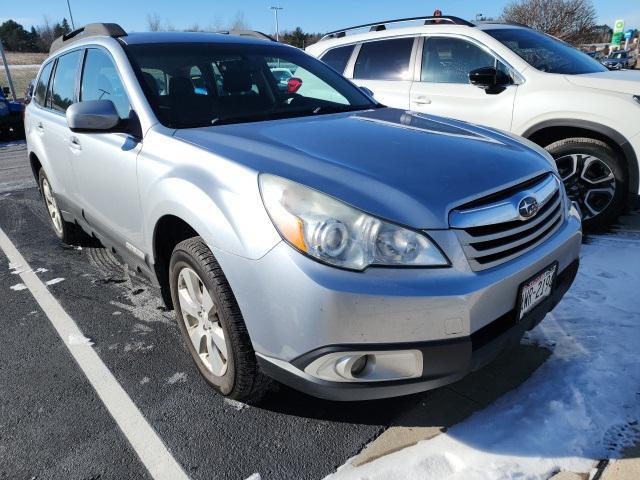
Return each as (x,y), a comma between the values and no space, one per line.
(43,82)
(449,60)
(337,58)
(384,60)
(100,81)
(64,81)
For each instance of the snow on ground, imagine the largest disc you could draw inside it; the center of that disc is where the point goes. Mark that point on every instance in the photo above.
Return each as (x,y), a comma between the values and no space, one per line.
(583,404)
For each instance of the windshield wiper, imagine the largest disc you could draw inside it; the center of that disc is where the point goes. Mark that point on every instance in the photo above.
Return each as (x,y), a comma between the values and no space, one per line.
(340,108)
(274,115)
(241,118)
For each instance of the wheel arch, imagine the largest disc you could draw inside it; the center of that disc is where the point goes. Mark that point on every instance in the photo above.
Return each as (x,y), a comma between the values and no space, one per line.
(547,132)
(36,165)
(168,231)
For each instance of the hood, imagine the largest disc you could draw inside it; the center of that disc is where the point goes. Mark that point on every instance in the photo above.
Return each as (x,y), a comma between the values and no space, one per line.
(627,81)
(403,166)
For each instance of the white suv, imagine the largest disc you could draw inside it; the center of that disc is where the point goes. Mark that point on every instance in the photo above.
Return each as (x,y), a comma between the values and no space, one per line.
(512,78)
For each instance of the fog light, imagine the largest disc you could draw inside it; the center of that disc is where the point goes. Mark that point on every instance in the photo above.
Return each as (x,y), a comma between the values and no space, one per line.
(350,367)
(371,366)
(359,365)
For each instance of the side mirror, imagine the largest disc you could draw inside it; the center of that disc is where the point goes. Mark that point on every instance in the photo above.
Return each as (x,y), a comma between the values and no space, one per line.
(6,91)
(92,116)
(490,79)
(367,92)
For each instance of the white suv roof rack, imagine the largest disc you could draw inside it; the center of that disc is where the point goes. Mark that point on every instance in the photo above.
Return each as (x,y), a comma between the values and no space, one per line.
(379,26)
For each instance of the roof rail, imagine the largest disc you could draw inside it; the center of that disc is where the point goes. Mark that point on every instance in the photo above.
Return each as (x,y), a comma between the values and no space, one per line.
(379,26)
(90,30)
(248,33)
(502,22)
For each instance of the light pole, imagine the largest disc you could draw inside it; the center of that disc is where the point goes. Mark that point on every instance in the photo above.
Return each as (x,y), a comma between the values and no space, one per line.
(6,68)
(73,26)
(276,10)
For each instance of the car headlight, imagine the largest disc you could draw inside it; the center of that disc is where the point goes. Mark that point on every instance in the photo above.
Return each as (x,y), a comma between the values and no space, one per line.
(340,235)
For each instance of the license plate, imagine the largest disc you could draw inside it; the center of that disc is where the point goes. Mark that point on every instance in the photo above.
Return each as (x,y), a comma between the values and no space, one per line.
(536,289)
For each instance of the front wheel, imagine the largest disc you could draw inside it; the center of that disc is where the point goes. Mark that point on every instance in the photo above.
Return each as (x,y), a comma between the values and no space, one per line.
(211,323)
(594,177)
(67,232)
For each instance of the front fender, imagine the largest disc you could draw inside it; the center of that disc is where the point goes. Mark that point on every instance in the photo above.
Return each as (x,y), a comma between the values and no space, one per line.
(219,199)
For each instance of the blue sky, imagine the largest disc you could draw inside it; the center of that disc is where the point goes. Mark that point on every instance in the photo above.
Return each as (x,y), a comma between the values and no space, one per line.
(317,15)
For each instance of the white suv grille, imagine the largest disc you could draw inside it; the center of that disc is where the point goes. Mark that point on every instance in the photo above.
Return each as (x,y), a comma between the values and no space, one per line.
(495,231)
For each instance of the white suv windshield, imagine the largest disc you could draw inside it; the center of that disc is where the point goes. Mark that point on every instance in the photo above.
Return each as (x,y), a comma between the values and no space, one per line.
(545,53)
(203,84)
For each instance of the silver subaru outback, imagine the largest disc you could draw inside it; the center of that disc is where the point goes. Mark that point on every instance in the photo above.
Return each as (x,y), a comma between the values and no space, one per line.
(301,231)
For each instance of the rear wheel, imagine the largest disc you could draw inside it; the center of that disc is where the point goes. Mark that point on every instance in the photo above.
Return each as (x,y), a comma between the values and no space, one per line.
(594,177)
(211,323)
(67,232)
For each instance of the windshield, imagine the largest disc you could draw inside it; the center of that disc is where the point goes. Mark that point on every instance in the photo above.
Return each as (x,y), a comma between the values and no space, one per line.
(203,84)
(546,53)
(618,55)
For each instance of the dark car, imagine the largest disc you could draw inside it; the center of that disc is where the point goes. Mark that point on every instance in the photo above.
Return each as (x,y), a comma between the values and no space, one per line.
(596,55)
(11,113)
(619,60)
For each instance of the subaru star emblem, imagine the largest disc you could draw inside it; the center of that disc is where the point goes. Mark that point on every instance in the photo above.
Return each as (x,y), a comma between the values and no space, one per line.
(528,207)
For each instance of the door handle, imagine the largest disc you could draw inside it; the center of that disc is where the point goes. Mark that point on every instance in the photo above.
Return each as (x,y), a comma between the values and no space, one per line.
(40,127)
(74,143)
(421,100)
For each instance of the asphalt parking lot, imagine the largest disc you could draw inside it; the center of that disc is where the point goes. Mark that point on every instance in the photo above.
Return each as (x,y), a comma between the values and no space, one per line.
(54,425)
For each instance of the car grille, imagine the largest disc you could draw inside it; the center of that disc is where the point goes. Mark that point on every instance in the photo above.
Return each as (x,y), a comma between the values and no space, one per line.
(493,230)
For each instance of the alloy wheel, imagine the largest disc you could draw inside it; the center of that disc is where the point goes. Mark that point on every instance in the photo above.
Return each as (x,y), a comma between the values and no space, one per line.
(589,181)
(201,319)
(52,206)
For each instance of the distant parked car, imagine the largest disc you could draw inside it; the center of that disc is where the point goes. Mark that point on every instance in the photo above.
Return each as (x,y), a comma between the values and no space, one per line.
(512,78)
(619,60)
(596,55)
(10,113)
(282,76)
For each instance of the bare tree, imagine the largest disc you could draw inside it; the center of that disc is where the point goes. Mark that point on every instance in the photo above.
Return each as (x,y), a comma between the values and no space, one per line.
(570,20)
(46,34)
(239,22)
(154,23)
(217,24)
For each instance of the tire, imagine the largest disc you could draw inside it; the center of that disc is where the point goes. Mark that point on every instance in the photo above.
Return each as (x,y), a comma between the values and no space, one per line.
(228,363)
(68,232)
(594,176)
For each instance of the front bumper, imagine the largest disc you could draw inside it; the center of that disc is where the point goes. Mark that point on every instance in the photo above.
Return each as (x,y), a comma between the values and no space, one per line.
(295,307)
(444,361)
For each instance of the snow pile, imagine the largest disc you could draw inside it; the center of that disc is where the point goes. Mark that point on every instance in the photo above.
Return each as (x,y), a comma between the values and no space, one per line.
(79,340)
(178,377)
(583,404)
(236,405)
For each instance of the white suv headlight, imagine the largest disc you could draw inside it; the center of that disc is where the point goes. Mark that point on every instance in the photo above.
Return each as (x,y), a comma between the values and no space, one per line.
(340,235)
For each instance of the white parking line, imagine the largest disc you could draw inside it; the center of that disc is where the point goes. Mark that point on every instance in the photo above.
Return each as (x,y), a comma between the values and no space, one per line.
(143,438)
